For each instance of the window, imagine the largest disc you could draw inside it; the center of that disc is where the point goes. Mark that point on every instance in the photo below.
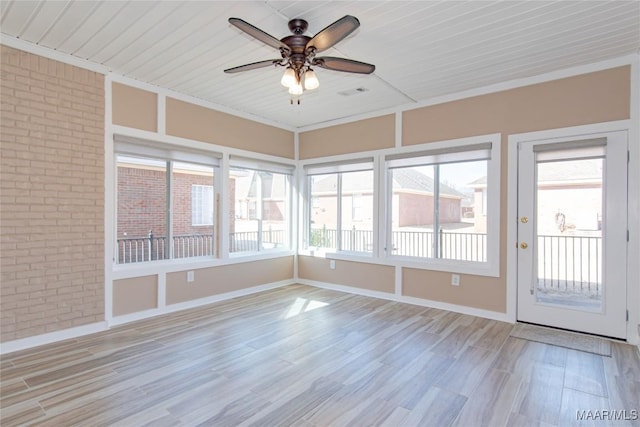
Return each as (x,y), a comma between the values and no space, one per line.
(356,207)
(437,199)
(261,206)
(201,205)
(340,212)
(165,203)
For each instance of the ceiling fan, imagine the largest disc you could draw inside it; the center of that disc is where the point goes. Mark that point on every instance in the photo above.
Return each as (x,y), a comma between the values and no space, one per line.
(298,52)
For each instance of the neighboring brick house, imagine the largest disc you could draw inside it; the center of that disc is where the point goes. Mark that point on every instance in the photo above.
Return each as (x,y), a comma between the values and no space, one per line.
(273,195)
(412,201)
(142,201)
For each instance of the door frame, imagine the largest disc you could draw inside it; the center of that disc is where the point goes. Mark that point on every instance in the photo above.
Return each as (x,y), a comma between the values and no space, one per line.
(633,287)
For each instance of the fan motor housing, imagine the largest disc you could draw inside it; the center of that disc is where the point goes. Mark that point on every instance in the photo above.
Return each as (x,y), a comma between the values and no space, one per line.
(296,43)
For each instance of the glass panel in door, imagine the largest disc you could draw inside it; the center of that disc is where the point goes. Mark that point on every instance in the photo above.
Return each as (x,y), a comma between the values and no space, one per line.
(569,233)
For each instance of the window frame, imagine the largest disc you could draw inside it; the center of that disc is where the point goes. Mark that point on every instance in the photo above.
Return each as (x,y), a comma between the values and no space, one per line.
(288,171)
(337,168)
(458,147)
(169,154)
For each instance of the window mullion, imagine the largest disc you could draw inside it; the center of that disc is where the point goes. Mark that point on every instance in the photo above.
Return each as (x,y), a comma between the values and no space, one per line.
(436,212)
(169,207)
(309,206)
(259,203)
(388,213)
(339,218)
(214,213)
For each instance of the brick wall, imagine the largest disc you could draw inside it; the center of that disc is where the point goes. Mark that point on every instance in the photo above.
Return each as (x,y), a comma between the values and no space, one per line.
(52,195)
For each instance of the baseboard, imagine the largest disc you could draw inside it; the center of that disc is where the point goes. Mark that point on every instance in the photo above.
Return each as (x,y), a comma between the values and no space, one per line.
(52,337)
(487,314)
(127,318)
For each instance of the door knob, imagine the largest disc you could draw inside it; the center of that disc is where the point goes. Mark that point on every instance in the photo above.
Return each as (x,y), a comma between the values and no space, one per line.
(523,245)
(524,220)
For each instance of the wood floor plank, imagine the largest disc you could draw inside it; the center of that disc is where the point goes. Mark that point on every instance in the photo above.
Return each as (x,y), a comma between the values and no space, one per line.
(376,413)
(409,392)
(21,414)
(626,360)
(574,402)
(519,356)
(287,412)
(366,387)
(624,394)
(467,371)
(585,372)
(149,418)
(523,421)
(237,411)
(90,364)
(200,403)
(540,396)
(437,408)
(491,402)
(52,388)
(11,387)
(493,336)
(455,342)
(410,349)
(311,357)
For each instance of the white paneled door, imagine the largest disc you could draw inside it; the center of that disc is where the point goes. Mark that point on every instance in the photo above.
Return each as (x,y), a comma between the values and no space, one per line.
(572,233)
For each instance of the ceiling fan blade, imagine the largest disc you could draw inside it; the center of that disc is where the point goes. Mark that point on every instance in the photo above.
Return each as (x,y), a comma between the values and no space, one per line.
(334,33)
(342,64)
(253,66)
(258,34)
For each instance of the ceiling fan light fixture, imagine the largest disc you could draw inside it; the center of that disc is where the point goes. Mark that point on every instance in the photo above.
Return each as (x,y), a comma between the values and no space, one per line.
(288,78)
(298,53)
(311,80)
(296,89)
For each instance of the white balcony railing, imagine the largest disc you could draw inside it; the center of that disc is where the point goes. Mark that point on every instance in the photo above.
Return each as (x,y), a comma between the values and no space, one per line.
(565,263)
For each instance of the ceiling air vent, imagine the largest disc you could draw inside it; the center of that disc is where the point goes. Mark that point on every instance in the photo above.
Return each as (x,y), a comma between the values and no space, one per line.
(352,92)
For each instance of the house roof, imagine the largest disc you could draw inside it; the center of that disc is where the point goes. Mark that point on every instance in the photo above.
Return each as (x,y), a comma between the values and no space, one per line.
(403,179)
(273,185)
(568,172)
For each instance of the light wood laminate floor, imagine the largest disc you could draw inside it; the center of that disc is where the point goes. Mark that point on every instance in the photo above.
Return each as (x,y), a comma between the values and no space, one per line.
(305,356)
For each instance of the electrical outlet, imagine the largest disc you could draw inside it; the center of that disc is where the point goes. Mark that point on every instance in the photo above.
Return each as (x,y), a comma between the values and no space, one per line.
(455,280)
(332,264)
(190,276)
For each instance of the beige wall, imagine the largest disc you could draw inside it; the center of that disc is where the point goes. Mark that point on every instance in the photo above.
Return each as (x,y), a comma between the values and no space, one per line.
(227,278)
(134,107)
(481,292)
(367,276)
(203,124)
(135,294)
(52,203)
(590,98)
(370,134)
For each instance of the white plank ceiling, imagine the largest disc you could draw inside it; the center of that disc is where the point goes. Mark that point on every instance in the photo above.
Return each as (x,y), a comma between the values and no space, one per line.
(422,49)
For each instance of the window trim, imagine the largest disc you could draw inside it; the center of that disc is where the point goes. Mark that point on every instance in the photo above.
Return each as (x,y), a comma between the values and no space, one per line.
(456,149)
(288,171)
(169,154)
(359,164)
